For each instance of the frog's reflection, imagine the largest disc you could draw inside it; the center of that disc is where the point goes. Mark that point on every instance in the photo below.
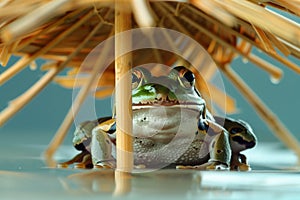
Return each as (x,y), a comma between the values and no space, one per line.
(95,181)
(164,182)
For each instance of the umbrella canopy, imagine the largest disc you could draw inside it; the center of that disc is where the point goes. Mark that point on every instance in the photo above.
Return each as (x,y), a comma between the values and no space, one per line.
(66,31)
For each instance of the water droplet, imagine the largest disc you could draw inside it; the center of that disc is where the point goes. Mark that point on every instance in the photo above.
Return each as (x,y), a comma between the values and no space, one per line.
(33,66)
(275,80)
(245,60)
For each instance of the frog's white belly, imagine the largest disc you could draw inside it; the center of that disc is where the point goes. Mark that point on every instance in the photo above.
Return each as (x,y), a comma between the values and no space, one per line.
(166,135)
(162,123)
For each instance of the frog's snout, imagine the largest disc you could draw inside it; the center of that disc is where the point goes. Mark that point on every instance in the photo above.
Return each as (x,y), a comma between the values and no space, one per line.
(247,144)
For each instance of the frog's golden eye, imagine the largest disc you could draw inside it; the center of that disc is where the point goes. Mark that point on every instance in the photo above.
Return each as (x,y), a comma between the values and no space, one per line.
(186,78)
(137,78)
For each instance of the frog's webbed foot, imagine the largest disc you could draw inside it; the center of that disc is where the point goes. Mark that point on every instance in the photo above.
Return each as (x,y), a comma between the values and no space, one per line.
(206,166)
(81,160)
(106,164)
(239,162)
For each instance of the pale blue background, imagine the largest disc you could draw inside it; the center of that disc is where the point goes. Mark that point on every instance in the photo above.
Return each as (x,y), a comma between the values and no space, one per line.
(46,112)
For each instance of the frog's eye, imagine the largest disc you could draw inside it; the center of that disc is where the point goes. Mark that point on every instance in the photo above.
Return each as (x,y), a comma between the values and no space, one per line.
(137,78)
(186,77)
(236,130)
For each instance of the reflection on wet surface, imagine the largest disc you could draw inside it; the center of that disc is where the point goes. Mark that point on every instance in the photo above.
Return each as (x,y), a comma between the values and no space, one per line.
(23,173)
(77,184)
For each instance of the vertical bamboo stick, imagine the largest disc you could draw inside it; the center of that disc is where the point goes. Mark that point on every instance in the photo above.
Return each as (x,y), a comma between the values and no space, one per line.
(123,91)
(123,183)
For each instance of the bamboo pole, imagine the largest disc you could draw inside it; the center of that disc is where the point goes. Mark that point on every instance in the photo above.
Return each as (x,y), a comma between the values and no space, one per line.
(62,131)
(122,183)
(266,114)
(123,91)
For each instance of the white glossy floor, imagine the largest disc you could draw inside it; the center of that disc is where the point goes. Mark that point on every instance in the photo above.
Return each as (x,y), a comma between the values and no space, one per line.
(24,175)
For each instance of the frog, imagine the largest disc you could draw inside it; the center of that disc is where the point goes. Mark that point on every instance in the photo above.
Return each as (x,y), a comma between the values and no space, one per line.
(172,126)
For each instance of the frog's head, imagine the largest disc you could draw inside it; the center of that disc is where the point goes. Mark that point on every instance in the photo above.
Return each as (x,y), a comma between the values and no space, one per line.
(177,89)
(241,134)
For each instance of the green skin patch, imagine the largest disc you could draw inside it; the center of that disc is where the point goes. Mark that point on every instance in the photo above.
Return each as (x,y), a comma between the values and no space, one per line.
(171,126)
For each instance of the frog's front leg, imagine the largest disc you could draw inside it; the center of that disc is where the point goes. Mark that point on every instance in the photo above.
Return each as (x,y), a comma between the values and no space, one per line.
(218,146)
(239,162)
(81,160)
(102,148)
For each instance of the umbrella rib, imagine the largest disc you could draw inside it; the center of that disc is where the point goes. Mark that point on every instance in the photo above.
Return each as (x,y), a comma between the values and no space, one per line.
(18,103)
(18,45)
(207,75)
(45,30)
(270,68)
(287,29)
(32,20)
(266,43)
(24,61)
(273,70)
(62,131)
(284,61)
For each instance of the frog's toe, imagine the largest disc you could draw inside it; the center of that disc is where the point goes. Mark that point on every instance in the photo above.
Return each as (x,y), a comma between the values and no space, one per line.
(206,166)
(184,167)
(62,165)
(216,166)
(111,164)
(240,167)
(83,157)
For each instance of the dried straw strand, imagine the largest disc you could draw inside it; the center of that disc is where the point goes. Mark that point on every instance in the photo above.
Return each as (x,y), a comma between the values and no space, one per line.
(32,20)
(48,28)
(61,133)
(279,58)
(143,14)
(271,68)
(18,103)
(24,61)
(257,15)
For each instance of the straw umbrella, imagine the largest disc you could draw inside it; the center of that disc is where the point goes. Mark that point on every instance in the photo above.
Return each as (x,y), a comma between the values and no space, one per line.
(65,31)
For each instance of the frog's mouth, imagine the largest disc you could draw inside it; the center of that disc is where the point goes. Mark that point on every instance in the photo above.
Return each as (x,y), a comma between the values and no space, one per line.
(169,104)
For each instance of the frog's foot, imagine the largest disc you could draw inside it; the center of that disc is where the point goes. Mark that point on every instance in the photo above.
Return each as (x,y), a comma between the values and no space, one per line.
(206,166)
(240,167)
(86,162)
(82,160)
(106,164)
(239,163)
